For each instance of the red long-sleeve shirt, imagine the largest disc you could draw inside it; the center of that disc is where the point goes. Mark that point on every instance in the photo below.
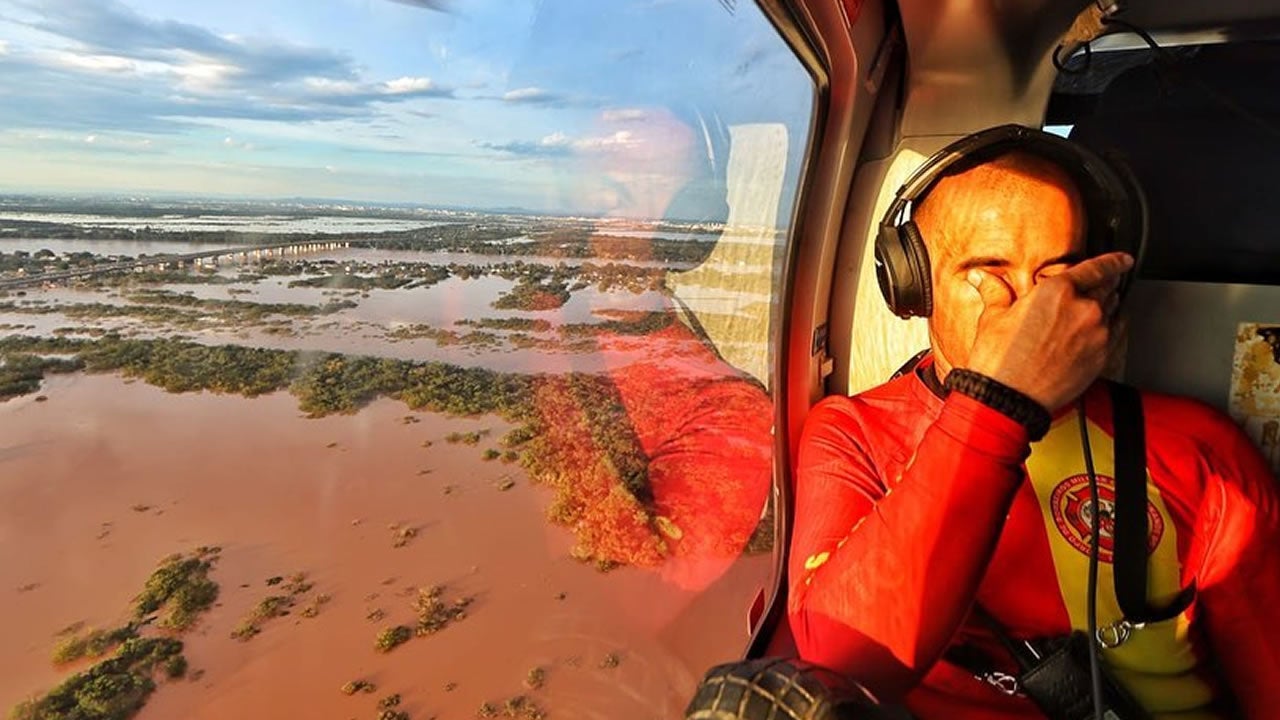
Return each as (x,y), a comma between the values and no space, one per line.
(909,507)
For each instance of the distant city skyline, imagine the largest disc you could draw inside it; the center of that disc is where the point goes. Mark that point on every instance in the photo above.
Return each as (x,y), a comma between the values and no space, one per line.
(564,106)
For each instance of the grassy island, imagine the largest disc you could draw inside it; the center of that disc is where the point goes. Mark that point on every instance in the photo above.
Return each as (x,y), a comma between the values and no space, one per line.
(118,685)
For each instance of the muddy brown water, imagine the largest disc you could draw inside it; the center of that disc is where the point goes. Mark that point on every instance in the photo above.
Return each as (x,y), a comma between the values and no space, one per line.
(255,477)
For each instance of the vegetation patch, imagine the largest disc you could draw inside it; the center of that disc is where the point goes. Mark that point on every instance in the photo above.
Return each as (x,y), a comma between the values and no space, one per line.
(392,637)
(387,709)
(129,664)
(22,373)
(466,438)
(344,281)
(520,324)
(355,686)
(531,294)
(92,644)
(279,605)
(165,307)
(434,613)
(402,535)
(179,590)
(445,337)
(638,323)
(519,706)
(517,437)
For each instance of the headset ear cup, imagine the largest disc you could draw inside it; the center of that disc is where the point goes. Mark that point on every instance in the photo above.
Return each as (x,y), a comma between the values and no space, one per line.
(1131,233)
(921,273)
(899,255)
(890,261)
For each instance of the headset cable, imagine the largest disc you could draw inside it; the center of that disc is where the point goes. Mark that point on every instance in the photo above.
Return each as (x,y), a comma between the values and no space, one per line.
(1095,527)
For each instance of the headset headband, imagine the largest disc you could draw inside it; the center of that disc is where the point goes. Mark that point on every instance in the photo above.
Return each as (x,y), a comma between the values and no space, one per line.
(1113,202)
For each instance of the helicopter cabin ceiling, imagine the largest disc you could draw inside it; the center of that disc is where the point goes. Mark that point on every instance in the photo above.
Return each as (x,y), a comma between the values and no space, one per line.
(975,63)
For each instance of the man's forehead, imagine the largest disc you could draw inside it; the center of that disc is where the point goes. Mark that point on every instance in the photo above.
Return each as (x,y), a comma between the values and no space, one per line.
(1012,170)
(1012,179)
(988,209)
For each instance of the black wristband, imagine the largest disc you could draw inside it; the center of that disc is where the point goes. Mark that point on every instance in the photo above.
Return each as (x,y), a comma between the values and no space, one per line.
(998,396)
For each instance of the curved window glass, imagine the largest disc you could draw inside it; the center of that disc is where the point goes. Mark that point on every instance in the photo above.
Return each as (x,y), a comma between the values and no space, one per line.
(391,359)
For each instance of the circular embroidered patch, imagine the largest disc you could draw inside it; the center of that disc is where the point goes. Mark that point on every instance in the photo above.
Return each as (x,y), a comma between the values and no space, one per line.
(1073,515)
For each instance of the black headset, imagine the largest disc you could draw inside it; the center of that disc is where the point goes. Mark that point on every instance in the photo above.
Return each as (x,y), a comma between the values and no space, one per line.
(1113,202)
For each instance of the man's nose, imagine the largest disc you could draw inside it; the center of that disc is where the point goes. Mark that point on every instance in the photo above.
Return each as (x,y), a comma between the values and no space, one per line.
(1021,284)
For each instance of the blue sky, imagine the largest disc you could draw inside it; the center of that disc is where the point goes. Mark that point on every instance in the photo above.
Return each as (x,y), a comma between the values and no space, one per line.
(557,105)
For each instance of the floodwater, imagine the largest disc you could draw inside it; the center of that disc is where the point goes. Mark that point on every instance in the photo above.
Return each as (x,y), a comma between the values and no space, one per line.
(105,477)
(362,330)
(131,248)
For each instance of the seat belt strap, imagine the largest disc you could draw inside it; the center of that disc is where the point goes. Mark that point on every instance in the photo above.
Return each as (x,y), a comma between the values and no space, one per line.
(1130,529)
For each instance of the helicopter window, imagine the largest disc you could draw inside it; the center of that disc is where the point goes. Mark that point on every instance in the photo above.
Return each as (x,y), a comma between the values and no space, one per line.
(409,356)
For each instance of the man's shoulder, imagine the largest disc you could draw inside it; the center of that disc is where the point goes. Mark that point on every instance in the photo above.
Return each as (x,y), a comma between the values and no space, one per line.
(884,397)
(885,406)
(1180,416)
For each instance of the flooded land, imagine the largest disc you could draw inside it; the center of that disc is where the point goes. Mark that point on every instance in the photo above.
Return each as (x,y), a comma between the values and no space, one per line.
(402,466)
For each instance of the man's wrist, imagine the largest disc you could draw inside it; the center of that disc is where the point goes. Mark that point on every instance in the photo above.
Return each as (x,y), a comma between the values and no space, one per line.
(1000,397)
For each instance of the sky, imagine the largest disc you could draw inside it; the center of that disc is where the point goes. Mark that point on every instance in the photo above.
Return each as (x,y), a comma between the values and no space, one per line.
(586,106)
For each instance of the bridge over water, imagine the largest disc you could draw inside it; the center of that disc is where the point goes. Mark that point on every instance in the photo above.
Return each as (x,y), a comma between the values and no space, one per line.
(245,253)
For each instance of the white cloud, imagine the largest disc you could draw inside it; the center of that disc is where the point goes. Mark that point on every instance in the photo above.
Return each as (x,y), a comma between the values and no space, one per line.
(621,138)
(93,63)
(557,139)
(192,72)
(332,87)
(4,48)
(199,74)
(93,142)
(533,95)
(403,85)
(234,144)
(527,94)
(558,144)
(350,89)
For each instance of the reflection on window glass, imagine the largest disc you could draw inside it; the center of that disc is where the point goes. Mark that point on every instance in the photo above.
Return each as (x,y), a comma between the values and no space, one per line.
(391,358)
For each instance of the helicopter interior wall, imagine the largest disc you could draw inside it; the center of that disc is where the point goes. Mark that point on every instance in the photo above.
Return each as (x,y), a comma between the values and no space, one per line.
(1184,334)
(974,65)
